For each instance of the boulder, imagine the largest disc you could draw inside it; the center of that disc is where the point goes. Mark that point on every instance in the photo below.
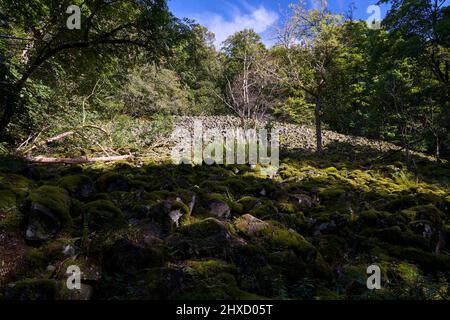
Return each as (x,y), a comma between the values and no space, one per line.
(125,256)
(110,182)
(170,214)
(205,238)
(32,289)
(219,209)
(103,214)
(47,212)
(302,201)
(79,186)
(249,225)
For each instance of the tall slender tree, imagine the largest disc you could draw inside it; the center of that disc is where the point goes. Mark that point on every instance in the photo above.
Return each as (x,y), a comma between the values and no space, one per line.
(312,42)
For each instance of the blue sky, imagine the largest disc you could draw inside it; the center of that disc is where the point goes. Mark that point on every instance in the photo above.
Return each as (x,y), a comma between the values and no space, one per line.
(225,17)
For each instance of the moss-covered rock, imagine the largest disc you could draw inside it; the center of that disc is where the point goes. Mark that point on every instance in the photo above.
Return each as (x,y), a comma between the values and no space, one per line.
(427,213)
(32,289)
(127,257)
(209,237)
(55,199)
(249,202)
(110,182)
(79,186)
(170,214)
(210,267)
(249,225)
(407,273)
(277,238)
(288,264)
(219,209)
(331,194)
(47,212)
(15,182)
(103,214)
(35,259)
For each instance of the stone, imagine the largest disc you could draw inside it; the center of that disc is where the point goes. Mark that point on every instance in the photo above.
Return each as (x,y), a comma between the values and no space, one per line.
(302,201)
(219,209)
(42,224)
(84,294)
(128,257)
(79,186)
(249,225)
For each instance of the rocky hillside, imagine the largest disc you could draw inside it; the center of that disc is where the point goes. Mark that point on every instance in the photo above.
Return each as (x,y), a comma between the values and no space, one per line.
(151,230)
(292,136)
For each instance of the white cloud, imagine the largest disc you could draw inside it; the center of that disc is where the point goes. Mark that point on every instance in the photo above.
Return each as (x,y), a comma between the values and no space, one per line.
(259,19)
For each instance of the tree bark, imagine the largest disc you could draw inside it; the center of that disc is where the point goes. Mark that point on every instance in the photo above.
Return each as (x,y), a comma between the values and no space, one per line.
(318,119)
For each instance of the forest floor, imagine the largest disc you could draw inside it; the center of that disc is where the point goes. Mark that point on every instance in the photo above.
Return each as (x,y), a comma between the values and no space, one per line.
(146,229)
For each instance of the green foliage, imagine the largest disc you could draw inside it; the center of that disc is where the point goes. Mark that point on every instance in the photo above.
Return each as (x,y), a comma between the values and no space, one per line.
(153,90)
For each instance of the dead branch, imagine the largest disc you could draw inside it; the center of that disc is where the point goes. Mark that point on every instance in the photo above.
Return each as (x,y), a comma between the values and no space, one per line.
(76,160)
(58,137)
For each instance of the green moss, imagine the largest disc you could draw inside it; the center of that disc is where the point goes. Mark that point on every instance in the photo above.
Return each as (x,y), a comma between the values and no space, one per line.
(330,170)
(328,295)
(206,238)
(214,186)
(279,239)
(401,202)
(54,198)
(249,225)
(408,273)
(104,214)
(203,229)
(110,182)
(10,216)
(372,217)
(264,210)
(427,260)
(7,200)
(161,195)
(15,182)
(236,208)
(427,212)
(288,264)
(210,267)
(184,210)
(286,207)
(248,203)
(77,185)
(35,259)
(34,289)
(331,194)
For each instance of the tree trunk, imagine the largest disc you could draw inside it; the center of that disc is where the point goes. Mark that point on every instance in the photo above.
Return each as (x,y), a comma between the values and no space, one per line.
(8,102)
(438,153)
(318,119)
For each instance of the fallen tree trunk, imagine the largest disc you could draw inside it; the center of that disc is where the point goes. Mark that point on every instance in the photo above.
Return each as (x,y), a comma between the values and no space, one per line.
(76,160)
(60,137)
